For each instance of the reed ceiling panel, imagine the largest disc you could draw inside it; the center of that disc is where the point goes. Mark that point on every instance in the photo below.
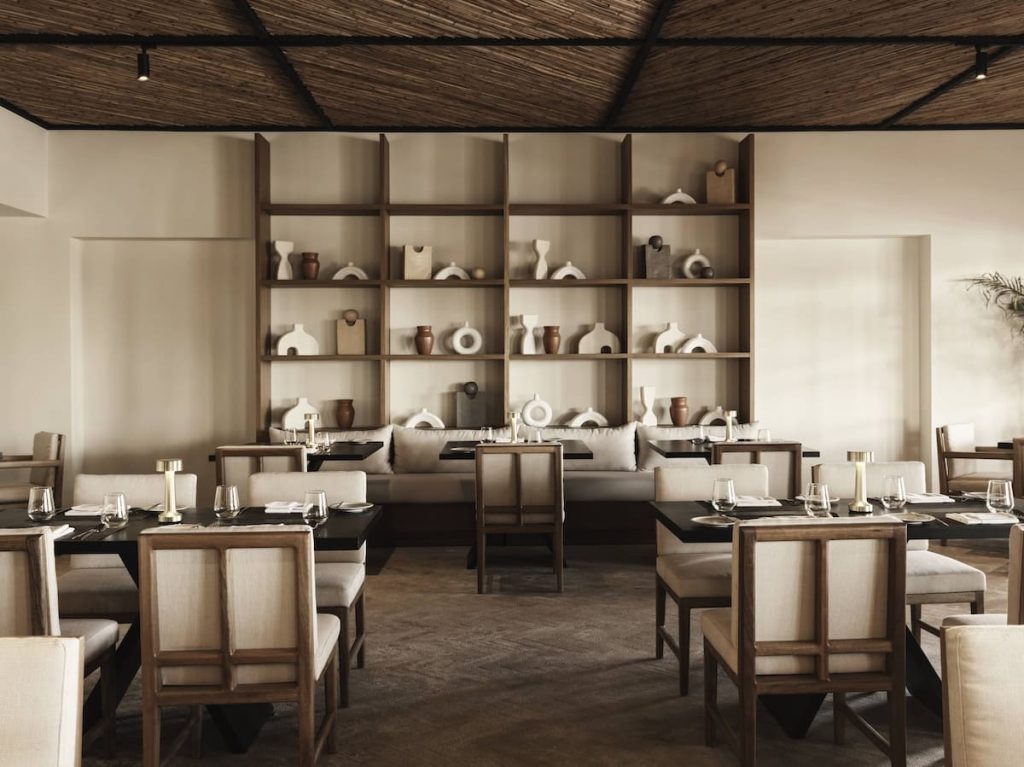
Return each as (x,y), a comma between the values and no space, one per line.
(406,86)
(793,86)
(995,100)
(471,18)
(139,17)
(750,18)
(189,86)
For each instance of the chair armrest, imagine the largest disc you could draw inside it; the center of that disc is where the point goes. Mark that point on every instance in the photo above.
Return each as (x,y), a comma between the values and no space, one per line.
(6,458)
(28,464)
(995,455)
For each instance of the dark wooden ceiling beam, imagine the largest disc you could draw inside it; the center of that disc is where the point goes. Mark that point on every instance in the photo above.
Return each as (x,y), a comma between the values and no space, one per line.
(283,63)
(653,31)
(23,113)
(965,76)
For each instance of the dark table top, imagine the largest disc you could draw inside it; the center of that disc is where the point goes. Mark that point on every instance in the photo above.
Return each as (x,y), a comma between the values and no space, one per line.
(572,449)
(341,451)
(343,531)
(685,448)
(678,516)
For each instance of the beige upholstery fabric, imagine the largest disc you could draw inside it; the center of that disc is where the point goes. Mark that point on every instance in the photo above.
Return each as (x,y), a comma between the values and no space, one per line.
(984,694)
(784,599)
(533,487)
(45,446)
(15,492)
(417,451)
(16,585)
(338,583)
(649,460)
(1014,586)
(614,448)
(696,575)
(964,474)
(41,701)
(695,483)
(378,463)
(982,619)
(977,482)
(931,573)
(99,635)
(98,591)
(580,486)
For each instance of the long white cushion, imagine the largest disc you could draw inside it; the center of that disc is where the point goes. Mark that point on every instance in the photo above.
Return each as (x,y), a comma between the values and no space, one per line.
(650,460)
(697,575)
(141,490)
(981,619)
(931,573)
(417,451)
(97,592)
(378,463)
(614,448)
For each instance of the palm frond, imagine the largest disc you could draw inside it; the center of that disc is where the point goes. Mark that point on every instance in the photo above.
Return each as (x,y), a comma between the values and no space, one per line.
(1004,293)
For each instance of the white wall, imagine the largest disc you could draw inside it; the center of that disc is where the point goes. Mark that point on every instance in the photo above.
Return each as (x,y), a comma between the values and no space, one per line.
(23,160)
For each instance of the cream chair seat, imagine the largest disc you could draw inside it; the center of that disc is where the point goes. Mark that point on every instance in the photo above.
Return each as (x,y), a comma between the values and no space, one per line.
(695,575)
(41,701)
(1014,614)
(983,695)
(931,578)
(961,474)
(98,585)
(339,576)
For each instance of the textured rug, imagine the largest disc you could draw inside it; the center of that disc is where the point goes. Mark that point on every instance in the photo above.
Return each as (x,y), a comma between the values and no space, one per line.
(524,676)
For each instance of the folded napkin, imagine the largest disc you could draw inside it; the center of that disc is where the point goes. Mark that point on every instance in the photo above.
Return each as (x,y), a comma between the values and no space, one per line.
(60,532)
(284,507)
(982,518)
(85,510)
(928,498)
(755,501)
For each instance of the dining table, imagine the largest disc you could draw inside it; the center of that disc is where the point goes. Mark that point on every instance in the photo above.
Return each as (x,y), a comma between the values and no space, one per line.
(238,724)
(341,451)
(465,450)
(795,713)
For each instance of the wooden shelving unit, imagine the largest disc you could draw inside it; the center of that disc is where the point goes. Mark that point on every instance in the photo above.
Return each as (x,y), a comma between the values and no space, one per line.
(389,286)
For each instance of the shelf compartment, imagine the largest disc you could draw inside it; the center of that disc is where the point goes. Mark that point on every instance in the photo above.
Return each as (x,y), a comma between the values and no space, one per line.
(487,283)
(682,209)
(569,283)
(684,282)
(446,209)
(691,357)
(567,209)
(565,357)
(322,209)
(307,284)
(321,358)
(447,357)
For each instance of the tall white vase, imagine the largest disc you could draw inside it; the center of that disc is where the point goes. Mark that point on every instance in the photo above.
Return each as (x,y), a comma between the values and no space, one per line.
(541,247)
(647,397)
(529,323)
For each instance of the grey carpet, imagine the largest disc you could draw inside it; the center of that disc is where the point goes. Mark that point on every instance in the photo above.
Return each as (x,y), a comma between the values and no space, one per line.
(524,676)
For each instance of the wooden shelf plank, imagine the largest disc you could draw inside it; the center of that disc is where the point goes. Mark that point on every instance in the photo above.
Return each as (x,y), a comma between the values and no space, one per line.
(683,282)
(679,209)
(306,284)
(690,357)
(489,283)
(567,209)
(447,357)
(569,283)
(446,209)
(318,209)
(321,358)
(569,356)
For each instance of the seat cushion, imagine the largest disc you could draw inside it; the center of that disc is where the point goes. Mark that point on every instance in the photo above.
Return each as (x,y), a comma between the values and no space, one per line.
(976,482)
(608,486)
(984,619)
(423,488)
(100,635)
(931,573)
(418,451)
(649,460)
(15,492)
(377,463)
(338,583)
(614,448)
(696,575)
(97,592)
(328,631)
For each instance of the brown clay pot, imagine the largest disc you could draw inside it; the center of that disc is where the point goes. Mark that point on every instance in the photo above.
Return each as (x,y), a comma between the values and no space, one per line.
(310,266)
(552,339)
(346,414)
(679,411)
(424,339)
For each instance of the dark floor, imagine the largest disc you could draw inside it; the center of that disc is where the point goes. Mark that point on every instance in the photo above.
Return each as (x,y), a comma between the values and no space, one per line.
(524,676)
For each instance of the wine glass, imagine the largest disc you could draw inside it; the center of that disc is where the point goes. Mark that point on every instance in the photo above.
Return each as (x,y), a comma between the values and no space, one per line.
(225,502)
(1000,496)
(40,504)
(723,496)
(764,435)
(115,510)
(314,507)
(894,492)
(816,501)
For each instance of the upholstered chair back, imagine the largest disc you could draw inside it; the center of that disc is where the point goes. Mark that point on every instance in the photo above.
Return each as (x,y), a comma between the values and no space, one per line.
(46,446)
(140,490)
(28,583)
(234,608)
(841,477)
(695,483)
(236,463)
(790,576)
(339,486)
(1015,584)
(519,484)
(959,438)
(41,682)
(981,688)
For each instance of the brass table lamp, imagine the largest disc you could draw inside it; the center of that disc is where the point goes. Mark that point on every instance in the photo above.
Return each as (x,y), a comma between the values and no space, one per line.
(311,419)
(860,460)
(170,513)
(730,422)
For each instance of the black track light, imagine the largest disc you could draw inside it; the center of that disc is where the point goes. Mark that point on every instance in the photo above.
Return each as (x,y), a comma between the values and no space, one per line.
(980,63)
(143,65)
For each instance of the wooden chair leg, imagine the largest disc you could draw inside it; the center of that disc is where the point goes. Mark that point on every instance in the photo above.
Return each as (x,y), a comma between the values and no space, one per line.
(897,700)
(481,559)
(748,730)
(332,698)
(307,730)
(344,658)
(195,735)
(659,618)
(839,718)
(108,704)
(978,605)
(150,735)
(915,622)
(361,630)
(684,647)
(710,696)
(559,558)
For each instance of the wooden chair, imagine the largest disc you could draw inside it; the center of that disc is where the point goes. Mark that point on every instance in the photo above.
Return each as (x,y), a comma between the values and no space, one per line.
(695,575)
(230,618)
(756,451)
(28,607)
(41,681)
(982,678)
(817,608)
(340,576)
(1014,614)
(236,463)
(958,455)
(932,578)
(45,469)
(519,490)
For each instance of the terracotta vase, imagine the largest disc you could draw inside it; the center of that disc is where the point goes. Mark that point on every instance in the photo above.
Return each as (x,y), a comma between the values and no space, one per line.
(310,265)
(424,339)
(346,414)
(552,339)
(679,411)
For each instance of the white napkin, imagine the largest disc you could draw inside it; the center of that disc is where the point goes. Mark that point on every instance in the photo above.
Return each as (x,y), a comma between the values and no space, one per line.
(284,507)
(60,532)
(982,518)
(85,510)
(747,501)
(928,498)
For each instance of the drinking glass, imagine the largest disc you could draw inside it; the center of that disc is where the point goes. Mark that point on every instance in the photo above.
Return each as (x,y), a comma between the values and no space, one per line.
(894,492)
(115,510)
(40,504)
(816,502)
(314,507)
(293,438)
(723,496)
(489,434)
(764,435)
(225,502)
(1000,496)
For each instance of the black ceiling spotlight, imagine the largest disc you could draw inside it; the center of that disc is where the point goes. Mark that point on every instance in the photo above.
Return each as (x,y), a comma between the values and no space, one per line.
(980,63)
(143,65)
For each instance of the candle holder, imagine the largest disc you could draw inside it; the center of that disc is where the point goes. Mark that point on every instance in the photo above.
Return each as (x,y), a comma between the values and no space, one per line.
(730,420)
(860,460)
(169,466)
(311,419)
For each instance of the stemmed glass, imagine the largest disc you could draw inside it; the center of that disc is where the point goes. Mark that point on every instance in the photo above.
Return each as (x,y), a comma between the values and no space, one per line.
(894,492)
(816,502)
(1000,496)
(40,504)
(723,496)
(225,502)
(115,511)
(314,507)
